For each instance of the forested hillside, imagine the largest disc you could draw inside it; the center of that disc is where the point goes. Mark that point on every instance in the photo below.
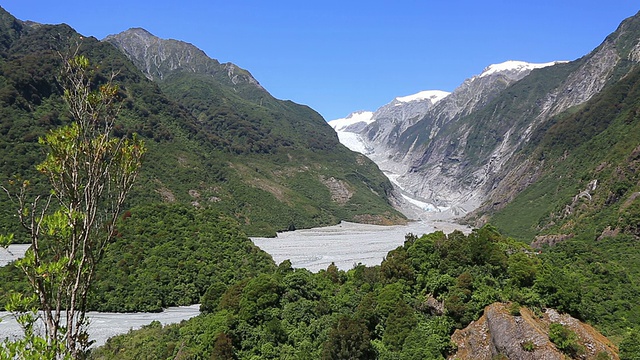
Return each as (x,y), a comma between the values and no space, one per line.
(198,193)
(573,195)
(232,156)
(587,163)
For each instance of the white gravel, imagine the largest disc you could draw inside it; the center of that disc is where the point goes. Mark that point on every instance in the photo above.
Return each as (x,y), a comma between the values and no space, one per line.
(12,252)
(346,244)
(102,325)
(105,325)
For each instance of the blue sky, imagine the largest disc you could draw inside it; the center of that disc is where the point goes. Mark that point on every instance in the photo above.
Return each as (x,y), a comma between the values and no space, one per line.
(343,56)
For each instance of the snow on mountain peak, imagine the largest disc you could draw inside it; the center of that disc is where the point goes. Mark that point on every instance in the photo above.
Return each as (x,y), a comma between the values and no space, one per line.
(433,95)
(514,66)
(353,118)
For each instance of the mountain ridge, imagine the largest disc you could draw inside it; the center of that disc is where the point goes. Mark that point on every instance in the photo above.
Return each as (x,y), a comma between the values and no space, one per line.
(273,165)
(459,152)
(392,139)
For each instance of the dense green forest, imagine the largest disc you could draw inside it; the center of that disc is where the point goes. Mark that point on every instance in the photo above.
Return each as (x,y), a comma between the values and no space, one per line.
(589,160)
(368,312)
(373,312)
(164,255)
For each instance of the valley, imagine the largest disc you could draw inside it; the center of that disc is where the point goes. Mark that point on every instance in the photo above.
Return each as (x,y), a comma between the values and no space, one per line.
(302,239)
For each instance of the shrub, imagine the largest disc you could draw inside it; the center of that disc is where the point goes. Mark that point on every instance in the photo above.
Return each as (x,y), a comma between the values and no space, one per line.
(514,309)
(528,346)
(565,339)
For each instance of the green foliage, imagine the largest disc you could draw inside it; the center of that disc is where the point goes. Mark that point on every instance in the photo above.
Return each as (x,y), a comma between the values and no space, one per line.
(514,309)
(89,174)
(375,312)
(595,141)
(167,255)
(593,280)
(630,345)
(400,324)
(349,339)
(565,339)
(528,346)
(211,299)
(431,339)
(139,347)
(32,345)
(247,163)
(603,355)
(222,348)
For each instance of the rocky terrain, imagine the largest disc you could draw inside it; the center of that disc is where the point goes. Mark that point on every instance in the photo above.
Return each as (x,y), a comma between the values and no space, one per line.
(405,135)
(525,336)
(459,151)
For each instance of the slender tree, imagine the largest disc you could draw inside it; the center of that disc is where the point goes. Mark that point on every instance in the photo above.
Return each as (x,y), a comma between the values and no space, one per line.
(90,173)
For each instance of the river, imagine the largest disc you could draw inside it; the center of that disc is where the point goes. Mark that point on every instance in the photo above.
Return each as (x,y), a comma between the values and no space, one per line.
(346,244)
(11,253)
(105,325)
(102,325)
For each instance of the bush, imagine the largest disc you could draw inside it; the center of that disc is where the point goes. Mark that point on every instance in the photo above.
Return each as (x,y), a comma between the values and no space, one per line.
(565,339)
(528,346)
(514,309)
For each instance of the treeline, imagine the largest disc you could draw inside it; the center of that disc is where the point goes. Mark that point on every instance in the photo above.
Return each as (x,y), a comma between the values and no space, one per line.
(406,308)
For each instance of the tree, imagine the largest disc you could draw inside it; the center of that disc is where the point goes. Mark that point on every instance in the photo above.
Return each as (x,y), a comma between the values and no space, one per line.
(630,345)
(565,339)
(90,173)
(400,324)
(222,348)
(349,339)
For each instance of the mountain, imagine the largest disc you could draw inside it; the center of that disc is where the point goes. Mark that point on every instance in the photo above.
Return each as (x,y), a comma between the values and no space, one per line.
(413,141)
(581,165)
(474,152)
(216,138)
(551,151)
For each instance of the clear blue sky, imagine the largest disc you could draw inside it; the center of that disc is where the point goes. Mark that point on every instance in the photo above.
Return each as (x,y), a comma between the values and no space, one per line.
(343,56)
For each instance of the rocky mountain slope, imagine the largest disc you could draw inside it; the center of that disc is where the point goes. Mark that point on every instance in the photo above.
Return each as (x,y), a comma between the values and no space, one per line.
(405,137)
(216,138)
(473,147)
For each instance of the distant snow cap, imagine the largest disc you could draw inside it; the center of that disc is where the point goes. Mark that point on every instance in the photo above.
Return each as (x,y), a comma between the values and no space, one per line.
(433,95)
(514,65)
(353,118)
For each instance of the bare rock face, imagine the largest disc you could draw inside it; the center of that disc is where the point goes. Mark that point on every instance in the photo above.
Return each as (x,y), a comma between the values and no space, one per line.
(339,189)
(159,58)
(549,240)
(524,337)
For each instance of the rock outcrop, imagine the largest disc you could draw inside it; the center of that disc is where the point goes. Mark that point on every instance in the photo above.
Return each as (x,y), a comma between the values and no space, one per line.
(524,336)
